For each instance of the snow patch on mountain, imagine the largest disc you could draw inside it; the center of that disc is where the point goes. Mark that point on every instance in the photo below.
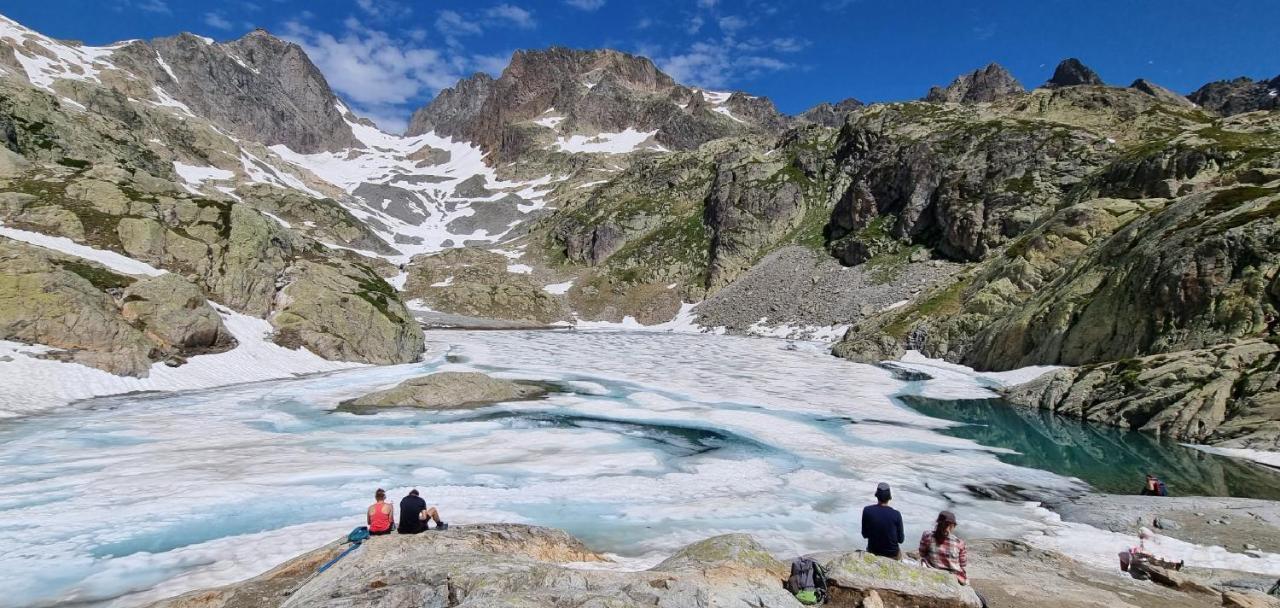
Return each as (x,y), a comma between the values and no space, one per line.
(196,176)
(45,60)
(61,244)
(627,141)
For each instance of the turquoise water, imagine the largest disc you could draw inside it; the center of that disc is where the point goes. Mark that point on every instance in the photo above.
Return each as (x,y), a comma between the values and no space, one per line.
(1109,459)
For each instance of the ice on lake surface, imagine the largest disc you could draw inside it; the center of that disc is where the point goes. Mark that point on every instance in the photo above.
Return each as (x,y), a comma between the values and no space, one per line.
(658,441)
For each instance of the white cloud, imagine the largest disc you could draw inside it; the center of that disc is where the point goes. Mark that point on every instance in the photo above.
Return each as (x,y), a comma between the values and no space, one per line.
(695,24)
(732,23)
(707,3)
(586,5)
(147,6)
(216,20)
(384,9)
(452,24)
(512,14)
(721,63)
(380,75)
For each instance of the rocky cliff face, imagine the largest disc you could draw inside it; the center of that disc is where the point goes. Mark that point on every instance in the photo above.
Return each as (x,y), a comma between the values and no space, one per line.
(258,87)
(987,84)
(1228,97)
(454,108)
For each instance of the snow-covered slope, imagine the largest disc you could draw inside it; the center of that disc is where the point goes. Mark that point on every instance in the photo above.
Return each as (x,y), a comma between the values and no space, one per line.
(418,192)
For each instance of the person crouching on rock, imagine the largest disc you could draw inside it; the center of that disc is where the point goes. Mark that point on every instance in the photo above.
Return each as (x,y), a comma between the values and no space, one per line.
(415,515)
(1135,557)
(882,525)
(1154,487)
(380,516)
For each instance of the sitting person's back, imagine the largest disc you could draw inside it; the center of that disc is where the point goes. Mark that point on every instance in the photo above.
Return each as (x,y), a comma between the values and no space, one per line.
(380,516)
(882,526)
(940,548)
(411,514)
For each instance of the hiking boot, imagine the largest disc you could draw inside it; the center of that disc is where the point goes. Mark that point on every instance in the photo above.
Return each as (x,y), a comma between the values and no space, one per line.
(441,527)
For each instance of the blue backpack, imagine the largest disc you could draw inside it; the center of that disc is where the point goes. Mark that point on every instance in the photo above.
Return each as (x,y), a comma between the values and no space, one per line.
(357,536)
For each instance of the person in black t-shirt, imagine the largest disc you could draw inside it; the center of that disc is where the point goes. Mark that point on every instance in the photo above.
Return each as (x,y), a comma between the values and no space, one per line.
(882,525)
(415,515)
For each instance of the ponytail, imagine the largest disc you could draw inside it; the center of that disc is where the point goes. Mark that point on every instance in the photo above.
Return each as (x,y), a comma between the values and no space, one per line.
(940,531)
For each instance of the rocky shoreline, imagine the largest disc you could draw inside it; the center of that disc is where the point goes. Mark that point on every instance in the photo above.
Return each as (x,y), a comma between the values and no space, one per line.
(513,565)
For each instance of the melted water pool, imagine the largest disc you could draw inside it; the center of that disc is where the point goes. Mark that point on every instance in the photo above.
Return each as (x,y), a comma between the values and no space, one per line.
(1110,459)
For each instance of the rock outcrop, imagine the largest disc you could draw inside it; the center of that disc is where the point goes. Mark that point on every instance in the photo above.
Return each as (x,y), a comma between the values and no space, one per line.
(448,391)
(344,312)
(478,283)
(514,565)
(959,183)
(830,115)
(174,311)
(1150,88)
(1072,72)
(65,306)
(857,577)
(983,85)
(91,315)
(1226,395)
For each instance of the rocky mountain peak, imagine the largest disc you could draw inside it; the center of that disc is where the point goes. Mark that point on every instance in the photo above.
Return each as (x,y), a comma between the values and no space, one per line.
(1239,95)
(547,93)
(453,107)
(258,87)
(983,85)
(1071,72)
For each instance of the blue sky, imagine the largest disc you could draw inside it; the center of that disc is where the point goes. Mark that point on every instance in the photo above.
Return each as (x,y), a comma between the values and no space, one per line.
(387,57)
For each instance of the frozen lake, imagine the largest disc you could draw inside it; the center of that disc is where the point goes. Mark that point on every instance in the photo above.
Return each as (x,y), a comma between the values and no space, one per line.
(659,440)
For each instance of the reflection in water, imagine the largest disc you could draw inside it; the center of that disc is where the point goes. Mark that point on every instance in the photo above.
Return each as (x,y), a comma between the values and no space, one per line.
(1110,459)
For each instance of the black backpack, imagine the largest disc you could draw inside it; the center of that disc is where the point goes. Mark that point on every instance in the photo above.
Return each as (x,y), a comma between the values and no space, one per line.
(807,575)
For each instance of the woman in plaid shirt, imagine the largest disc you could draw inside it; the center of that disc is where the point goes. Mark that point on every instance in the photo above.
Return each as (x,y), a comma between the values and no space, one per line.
(940,548)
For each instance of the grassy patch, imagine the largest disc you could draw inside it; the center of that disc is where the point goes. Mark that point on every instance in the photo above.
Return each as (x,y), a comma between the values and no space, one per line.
(377,292)
(944,302)
(1022,185)
(74,163)
(888,267)
(98,276)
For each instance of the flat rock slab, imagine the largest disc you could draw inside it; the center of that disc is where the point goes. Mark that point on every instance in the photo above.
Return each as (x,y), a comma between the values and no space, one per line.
(1229,522)
(447,391)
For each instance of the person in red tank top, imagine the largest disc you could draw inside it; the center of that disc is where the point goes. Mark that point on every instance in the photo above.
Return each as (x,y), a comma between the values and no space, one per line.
(380,515)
